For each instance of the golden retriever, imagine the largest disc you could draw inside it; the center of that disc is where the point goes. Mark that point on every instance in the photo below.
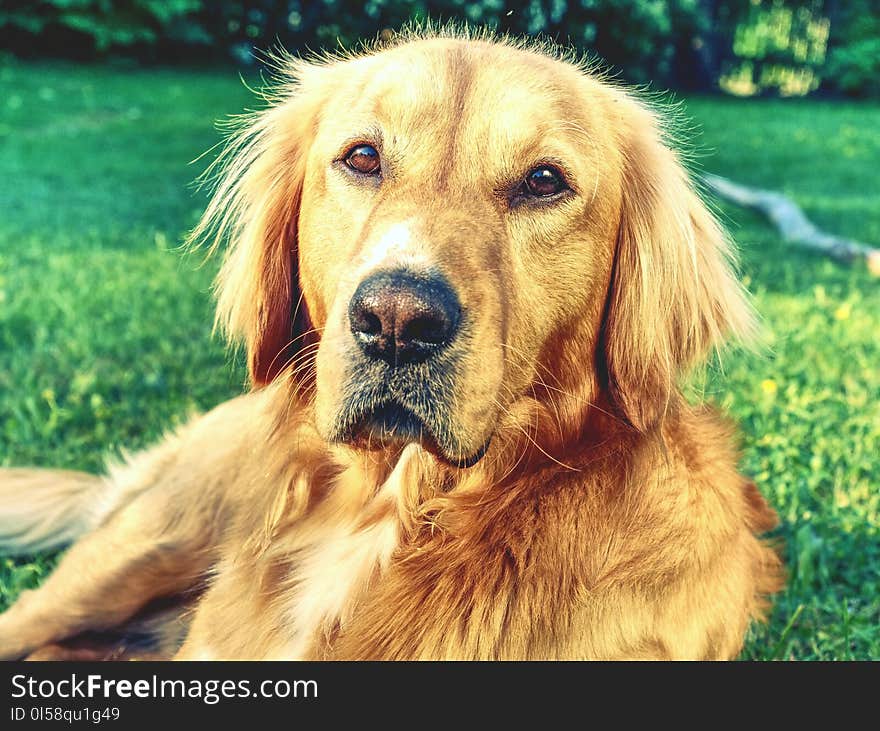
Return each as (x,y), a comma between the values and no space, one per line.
(469,274)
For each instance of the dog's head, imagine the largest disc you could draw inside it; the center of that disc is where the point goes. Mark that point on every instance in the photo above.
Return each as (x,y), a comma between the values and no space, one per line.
(431,234)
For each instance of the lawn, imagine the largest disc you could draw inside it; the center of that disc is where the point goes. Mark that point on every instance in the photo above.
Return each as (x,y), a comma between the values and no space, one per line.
(105,327)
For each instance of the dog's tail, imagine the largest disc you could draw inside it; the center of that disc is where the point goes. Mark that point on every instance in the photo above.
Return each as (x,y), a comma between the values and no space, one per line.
(41,510)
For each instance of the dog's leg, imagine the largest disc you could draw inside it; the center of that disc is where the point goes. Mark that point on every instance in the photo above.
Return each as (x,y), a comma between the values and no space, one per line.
(150,548)
(155,528)
(156,633)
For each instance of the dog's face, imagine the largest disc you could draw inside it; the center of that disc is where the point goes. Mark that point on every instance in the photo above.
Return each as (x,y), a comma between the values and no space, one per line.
(450,223)
(452,226)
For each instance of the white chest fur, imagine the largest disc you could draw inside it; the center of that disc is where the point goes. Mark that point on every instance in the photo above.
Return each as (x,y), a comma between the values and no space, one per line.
(338,564)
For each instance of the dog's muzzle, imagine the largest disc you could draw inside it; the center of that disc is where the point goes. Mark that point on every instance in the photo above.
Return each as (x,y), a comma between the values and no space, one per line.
(400,386)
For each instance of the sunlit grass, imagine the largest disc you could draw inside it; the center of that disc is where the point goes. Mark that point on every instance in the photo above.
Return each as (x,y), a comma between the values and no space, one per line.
(808,405)
(105,328)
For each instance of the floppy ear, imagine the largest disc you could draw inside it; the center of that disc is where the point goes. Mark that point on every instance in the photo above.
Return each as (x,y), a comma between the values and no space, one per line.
(673,292)
(255,208)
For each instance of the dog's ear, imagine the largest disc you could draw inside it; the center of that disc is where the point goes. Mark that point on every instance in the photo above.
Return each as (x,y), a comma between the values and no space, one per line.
(673,294)
(254,209)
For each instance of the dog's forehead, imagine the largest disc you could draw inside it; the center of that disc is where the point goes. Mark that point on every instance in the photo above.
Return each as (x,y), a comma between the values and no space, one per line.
(486,90)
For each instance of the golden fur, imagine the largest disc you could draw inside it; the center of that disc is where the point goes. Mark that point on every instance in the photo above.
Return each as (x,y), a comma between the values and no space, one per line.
(606,518)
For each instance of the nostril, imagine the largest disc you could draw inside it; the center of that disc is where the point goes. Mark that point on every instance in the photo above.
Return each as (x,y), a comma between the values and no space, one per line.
(428,329)
(367,323)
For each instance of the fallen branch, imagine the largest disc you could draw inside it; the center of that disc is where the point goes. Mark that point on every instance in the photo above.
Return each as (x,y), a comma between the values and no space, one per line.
(792,224)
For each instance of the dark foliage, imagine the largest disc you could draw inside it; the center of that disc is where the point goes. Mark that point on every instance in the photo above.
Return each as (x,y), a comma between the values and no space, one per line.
(684,44)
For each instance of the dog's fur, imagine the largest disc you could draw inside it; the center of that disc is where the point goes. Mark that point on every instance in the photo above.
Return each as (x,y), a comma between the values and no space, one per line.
(601,517)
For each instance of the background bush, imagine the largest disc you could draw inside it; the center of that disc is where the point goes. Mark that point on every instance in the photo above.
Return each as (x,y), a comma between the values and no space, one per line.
(741,46)
(854,47)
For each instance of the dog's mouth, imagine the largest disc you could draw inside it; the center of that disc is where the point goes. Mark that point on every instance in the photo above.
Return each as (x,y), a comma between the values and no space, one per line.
(378,406)
(391,424)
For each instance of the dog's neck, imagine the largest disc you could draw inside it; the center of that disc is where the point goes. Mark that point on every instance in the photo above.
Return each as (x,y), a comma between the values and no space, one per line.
(532,439)
(521,450)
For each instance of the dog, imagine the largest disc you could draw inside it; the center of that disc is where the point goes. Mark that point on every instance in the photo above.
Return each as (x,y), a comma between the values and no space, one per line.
(469,274)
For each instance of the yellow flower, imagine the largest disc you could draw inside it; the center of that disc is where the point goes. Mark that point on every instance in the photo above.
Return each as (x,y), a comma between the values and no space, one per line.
(842,312)
(768,386)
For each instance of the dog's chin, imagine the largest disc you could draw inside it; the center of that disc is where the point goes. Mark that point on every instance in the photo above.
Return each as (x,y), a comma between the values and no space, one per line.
(393,425)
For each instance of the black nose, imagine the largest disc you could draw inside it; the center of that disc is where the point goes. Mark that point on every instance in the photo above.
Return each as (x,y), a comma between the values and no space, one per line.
(400,317)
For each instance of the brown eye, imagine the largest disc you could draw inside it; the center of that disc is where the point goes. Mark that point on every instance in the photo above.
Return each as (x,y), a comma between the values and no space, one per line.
(544,181)
(363,159)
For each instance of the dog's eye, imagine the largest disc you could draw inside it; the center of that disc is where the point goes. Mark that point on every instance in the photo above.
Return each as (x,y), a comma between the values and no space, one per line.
(544,181)
(363,159)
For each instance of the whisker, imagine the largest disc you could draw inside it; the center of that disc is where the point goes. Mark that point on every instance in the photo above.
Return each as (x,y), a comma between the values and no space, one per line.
(575,397)
(289,343)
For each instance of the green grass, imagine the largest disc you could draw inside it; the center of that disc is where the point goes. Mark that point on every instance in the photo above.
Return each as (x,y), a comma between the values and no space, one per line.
(808,406)
(105,328)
